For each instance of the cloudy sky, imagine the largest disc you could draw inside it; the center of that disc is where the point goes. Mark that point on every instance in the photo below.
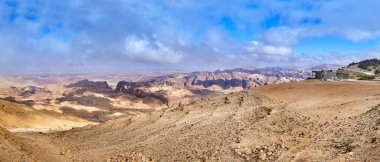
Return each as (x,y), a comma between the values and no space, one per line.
(143,35)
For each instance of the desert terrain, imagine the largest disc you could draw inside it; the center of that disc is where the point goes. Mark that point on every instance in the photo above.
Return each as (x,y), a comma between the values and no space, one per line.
(302,121)
(75,100)
(188,80)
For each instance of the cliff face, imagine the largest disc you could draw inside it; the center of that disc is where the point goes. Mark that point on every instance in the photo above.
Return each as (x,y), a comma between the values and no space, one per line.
(138,90)
(231,79)
(180,88)
(191,84)
(171,89)
(90,84)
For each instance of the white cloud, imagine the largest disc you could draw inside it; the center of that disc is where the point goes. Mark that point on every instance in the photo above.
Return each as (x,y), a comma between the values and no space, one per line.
(173,33)
(360,35)
(255,43)
(256,48)
(151,51)
(282,35)
(277,50)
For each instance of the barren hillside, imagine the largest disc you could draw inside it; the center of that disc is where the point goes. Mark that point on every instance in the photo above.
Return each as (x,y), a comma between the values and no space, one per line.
(21,117)
(14,148)
(306,121)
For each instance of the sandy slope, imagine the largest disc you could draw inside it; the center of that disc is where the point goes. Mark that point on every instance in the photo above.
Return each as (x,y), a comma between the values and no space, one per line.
(307,121)
(15,115)
(14,148)
(326,100)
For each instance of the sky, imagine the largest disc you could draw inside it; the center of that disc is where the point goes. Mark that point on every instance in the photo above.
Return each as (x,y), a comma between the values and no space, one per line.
(61,36)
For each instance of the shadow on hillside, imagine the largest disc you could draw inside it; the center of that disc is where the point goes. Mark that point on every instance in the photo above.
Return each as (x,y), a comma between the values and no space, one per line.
(95,116)
(101,116)
(203,92)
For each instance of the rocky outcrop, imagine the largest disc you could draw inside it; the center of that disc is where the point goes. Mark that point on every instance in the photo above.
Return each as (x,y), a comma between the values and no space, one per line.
(137,89)
(230,78)
(227,80)
(31,90)
(90,84)
(123,85)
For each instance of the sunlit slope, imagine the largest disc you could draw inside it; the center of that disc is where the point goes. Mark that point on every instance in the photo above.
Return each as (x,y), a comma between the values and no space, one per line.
(16,115)
(307,121)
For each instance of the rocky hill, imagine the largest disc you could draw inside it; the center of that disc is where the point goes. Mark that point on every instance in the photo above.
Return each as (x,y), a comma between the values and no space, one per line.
(285,122)
(363,70)
(324,67)
(31,90)
(181,88)
(232,78)
(90,85)
(369,64)
(99,101)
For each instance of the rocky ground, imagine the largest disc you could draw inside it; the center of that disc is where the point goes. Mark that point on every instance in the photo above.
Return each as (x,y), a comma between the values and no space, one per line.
(98,101)
(305,121)
(97,98)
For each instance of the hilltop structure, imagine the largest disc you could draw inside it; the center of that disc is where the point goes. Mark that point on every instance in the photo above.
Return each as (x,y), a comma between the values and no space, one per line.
(323,74)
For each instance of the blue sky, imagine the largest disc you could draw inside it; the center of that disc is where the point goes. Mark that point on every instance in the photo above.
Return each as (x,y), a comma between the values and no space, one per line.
(38,36)
(331,44)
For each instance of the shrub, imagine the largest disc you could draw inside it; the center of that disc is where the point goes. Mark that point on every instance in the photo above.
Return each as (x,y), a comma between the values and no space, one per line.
(352,63)
(367,64)
(343,75)
(377,71)
(366,77)
(346,146)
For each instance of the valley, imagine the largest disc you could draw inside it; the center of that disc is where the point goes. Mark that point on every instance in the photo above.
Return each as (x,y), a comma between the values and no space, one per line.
(207,116)
(93,99)
(187,80)
(303,121)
